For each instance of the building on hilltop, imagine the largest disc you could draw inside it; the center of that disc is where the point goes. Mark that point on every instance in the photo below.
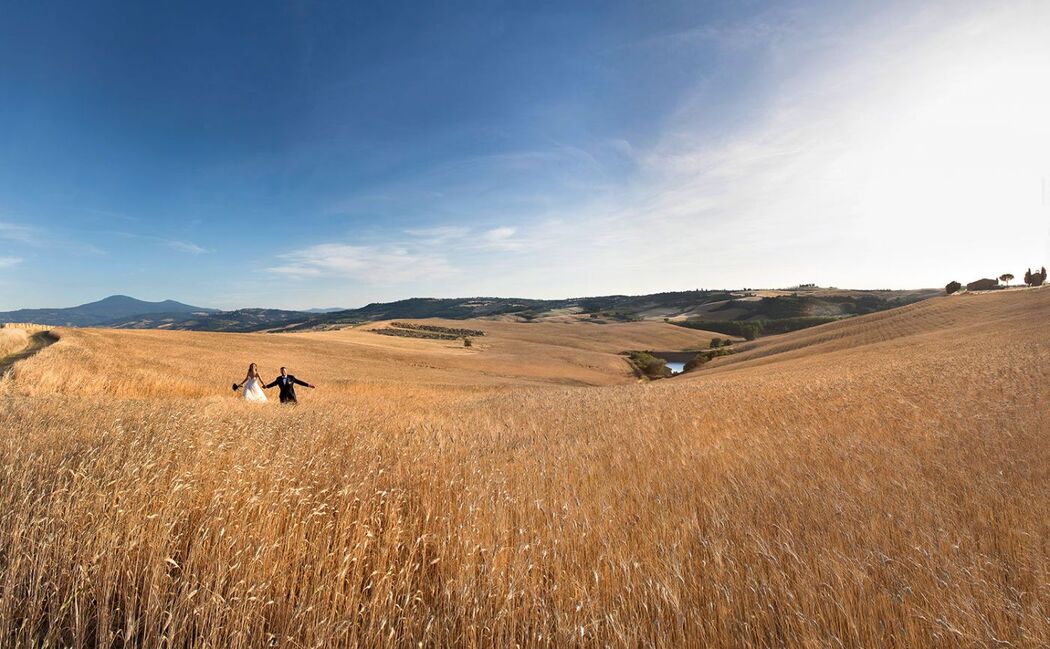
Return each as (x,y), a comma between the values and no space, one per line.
(983,285)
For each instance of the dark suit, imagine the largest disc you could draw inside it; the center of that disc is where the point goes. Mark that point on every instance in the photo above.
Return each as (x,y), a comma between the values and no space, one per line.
(287,385)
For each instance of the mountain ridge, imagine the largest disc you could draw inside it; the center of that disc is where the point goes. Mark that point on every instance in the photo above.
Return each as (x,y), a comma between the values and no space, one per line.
(99,312)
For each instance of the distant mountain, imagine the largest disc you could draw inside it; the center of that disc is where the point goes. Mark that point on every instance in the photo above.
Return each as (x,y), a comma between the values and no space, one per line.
(331,309)
(99,313)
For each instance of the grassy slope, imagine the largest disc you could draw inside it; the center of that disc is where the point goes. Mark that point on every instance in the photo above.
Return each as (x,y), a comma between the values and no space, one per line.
(192,364)
(883,481)
(941,328)
(12,341)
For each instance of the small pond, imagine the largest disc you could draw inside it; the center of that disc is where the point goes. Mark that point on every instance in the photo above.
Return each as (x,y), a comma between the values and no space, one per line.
(676,367)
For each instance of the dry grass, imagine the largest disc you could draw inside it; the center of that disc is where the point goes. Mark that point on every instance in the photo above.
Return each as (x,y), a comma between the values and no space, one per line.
(12,341)
(890,487)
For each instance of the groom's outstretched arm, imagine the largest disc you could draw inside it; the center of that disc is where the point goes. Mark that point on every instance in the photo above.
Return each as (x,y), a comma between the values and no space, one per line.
(270,385)
(302,383)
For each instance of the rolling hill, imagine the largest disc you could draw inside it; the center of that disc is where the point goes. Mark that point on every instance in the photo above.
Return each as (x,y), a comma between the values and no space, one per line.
(719,310)
(876,481)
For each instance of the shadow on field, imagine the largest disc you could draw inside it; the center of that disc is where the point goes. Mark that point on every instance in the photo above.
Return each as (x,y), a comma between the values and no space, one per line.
(37,342)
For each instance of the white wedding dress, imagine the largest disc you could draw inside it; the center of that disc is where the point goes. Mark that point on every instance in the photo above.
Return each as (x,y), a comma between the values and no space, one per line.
(253,390)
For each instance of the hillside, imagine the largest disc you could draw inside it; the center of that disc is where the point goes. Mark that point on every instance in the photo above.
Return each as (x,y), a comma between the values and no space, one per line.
(694,308)
(878,481)
(100,313)
(777,310)
(241,320)
(947,326)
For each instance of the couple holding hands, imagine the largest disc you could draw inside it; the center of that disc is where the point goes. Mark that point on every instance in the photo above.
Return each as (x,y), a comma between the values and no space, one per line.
(253,385)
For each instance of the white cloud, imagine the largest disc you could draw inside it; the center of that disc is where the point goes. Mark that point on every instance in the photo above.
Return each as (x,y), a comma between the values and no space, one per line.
(901,152)
(440,234)
(187,246)
(890,159)
(457,238)
(8,262)
(37,237)
(881,166)
(501,238)
(761,30)
(178,245)
(373,264)
(18,233)
(297,270)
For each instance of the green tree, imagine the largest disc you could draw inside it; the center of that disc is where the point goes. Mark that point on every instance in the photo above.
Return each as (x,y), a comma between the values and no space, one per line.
(649,365)
(1005,278)
(952,287)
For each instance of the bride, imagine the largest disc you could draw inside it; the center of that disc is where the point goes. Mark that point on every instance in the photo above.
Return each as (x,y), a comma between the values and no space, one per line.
(252,384)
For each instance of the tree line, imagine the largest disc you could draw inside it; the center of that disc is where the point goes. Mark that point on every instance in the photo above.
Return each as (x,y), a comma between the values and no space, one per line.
(1037,278)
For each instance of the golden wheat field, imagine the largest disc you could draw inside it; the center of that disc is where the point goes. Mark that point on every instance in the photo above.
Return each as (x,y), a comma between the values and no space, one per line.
(877,482)
(12,340)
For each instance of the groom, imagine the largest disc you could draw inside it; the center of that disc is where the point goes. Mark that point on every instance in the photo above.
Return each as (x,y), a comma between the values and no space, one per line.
(287,384)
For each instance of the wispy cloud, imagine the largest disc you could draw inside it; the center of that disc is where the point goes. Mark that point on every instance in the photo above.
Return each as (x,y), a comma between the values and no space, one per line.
(18,233)
(455,238)
(46,238)
(374,264)
(8,262)
(502,238)
(440,234)
(882,151)
(103,215)
(761,30)
(896,143)
(188,247)
(178,245)
(867,152)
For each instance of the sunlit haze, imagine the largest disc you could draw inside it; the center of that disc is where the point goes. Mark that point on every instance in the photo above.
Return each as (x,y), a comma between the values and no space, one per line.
(304,156)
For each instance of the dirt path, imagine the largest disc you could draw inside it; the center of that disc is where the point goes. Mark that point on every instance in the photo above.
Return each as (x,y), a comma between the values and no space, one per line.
(37,342)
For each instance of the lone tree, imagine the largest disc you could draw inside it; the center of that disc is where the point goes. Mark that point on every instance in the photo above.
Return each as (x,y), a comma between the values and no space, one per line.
(952,287)
(1005,278)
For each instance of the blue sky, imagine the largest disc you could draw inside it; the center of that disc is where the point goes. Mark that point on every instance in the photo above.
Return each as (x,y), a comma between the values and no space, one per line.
(307,154)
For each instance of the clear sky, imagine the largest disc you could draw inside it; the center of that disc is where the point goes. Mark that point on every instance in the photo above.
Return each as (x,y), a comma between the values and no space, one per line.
(300,154)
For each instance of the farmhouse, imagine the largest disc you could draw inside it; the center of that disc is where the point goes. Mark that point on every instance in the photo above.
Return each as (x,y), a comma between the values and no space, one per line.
(983,285)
